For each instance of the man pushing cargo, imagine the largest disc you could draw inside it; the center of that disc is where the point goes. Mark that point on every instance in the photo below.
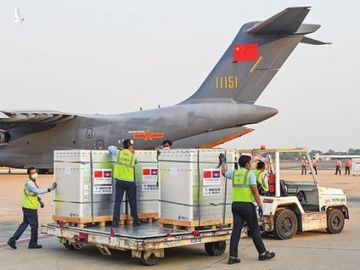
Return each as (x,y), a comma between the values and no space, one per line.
(30,204)
(244,192)
(124,176)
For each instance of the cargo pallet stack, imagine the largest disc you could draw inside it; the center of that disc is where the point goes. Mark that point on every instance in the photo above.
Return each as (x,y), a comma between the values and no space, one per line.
(194,194)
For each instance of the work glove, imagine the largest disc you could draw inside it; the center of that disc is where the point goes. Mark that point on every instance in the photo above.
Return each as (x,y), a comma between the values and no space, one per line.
(222,159)
(260,211)
(42,205)
(53,186)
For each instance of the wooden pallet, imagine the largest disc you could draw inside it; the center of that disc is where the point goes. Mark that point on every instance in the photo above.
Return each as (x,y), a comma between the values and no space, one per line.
(82,222)
(192,225)
(149,217)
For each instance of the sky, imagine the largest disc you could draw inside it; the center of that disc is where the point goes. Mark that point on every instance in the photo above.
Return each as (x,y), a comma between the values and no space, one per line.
(116,56)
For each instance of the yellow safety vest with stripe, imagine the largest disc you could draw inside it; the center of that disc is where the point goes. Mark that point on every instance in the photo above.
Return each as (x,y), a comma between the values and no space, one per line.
(260,180)
(241,191)
(29,198)
(124,167)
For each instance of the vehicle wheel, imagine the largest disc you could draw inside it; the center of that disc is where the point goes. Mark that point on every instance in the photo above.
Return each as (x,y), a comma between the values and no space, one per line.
(215,248)
(152,260)
(285,224)
(335,221)
(69,246)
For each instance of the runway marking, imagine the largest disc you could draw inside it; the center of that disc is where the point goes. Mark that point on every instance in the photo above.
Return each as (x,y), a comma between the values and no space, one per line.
(24,240)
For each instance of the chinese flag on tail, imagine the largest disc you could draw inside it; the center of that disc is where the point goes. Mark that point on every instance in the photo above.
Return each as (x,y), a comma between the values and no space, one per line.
(245,52)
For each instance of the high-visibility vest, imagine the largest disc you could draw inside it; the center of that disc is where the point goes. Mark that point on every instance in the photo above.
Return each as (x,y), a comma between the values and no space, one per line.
(124,167)
(260,180)
(241,191)
(29,198)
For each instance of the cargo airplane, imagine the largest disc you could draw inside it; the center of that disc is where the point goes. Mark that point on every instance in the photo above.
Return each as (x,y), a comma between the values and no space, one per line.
(217,112)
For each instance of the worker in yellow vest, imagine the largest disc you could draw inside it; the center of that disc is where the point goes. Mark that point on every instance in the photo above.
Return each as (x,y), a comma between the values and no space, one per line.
(30,204)
(124,176)
(244,192)
(261,178)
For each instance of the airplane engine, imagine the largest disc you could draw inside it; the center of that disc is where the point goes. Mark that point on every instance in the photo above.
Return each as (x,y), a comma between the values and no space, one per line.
(4,136)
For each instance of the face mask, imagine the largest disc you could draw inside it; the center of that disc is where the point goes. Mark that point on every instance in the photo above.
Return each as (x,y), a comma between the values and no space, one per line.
(34,176)
(166,147)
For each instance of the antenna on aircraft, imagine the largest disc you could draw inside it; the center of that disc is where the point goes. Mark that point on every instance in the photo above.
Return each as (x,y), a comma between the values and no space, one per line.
(18,18)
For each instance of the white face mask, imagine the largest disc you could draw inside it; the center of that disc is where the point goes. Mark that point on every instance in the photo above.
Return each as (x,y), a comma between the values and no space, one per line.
(166,147)
(34,176)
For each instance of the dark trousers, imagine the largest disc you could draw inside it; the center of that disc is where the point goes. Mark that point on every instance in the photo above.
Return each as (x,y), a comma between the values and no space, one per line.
(315,169)
(130,188)
(347,170)
(243,211)
(30,217)
(303,169)
(338,170)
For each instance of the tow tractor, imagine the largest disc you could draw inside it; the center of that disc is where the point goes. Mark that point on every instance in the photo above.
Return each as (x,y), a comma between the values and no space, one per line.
(293,206)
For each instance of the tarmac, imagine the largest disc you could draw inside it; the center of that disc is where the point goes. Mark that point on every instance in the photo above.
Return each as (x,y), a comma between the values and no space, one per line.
(317,250)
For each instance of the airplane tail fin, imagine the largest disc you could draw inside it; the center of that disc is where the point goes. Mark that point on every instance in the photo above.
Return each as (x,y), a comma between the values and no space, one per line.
(254,57)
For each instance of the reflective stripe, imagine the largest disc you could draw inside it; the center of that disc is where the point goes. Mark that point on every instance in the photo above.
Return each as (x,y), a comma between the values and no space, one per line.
(124,166)
(29,193)
(247,181)
(241,191)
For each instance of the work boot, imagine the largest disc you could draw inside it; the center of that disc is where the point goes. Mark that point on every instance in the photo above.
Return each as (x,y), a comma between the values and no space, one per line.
(12,244)
(115,224)
(136,223)
(266,256)
(233,260)
(35,246)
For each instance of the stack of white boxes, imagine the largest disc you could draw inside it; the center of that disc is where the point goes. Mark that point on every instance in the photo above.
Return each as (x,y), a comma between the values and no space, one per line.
(85,187)
(192,187)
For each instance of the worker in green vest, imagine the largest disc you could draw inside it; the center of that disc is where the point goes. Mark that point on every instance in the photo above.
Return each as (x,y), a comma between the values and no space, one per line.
(124,176)
(30,204)
(244,192)
(261,178)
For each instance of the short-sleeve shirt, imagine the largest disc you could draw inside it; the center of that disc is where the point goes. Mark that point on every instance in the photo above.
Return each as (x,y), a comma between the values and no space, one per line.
(229,175)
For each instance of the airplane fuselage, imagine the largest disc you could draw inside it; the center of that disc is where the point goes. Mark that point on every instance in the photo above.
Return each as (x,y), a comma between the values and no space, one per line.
(100,131)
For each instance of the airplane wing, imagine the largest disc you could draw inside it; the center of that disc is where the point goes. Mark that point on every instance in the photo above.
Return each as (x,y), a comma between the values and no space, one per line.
(36,117)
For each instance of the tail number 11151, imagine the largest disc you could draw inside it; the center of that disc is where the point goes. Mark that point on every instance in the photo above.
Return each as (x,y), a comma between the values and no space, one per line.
(226,82)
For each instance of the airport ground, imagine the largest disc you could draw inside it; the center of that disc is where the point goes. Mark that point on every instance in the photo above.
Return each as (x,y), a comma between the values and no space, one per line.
(317,250)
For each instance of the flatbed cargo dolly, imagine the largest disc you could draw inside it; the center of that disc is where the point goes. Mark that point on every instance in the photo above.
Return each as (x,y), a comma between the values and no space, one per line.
(146,242)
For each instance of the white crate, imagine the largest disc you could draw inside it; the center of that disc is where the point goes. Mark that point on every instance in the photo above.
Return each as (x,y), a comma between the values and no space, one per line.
(187,191)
